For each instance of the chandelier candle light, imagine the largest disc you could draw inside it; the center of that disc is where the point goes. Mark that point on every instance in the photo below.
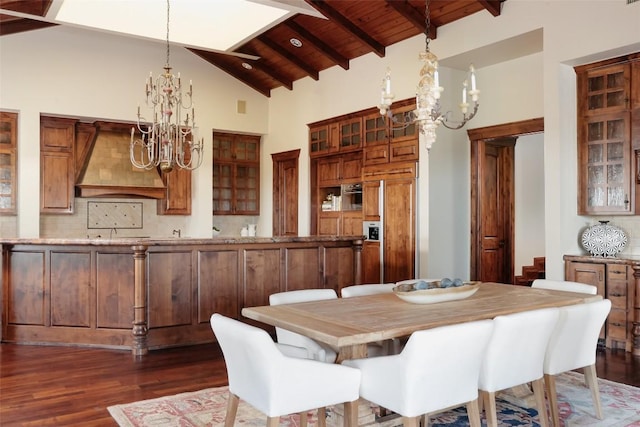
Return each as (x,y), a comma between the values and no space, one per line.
(167,142)
(427,114)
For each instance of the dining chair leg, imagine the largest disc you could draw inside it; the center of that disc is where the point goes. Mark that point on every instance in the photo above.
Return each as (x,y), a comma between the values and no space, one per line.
(552,397)
(592,381)
(232,409)
(473,412)
(351,414)
(411,421)
(304,419)
(425,420)
(273,421)
(538,393)
(490,408)
(322,417)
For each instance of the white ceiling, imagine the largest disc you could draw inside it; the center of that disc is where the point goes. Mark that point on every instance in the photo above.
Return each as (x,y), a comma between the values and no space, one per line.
(214,25)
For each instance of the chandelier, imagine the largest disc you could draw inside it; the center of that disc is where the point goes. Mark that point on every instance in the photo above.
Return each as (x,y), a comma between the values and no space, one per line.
(428,115)
(168,141)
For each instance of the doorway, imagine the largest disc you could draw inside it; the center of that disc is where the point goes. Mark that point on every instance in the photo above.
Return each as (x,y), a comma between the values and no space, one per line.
(492,198)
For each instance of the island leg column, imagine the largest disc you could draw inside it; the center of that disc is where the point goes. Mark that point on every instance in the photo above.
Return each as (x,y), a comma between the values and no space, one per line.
(140,328)
(357,246)
(636,310)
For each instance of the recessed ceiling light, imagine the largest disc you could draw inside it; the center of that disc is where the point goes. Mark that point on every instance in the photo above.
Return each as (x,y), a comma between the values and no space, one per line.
(247,66)
(295,42)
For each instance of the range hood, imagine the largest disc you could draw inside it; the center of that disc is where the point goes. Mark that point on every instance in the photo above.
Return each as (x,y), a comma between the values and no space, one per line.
(104,166)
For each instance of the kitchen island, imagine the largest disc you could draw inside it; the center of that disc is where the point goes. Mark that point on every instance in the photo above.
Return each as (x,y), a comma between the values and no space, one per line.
(144,294)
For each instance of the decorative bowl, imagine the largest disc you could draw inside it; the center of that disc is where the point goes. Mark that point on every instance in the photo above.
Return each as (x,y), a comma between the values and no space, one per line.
(412,291)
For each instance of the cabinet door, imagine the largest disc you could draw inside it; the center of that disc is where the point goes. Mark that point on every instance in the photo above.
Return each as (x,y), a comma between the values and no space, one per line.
(606,89)
(376,130)
(57,165)
(399,229)
(586,272)
(329,223)
(605,165)
(351,134)
(177,199)
(351,168)
(589,273)
(8,178)
(351,224)
(329,171)
(247,184)
(56,186)
(402,127)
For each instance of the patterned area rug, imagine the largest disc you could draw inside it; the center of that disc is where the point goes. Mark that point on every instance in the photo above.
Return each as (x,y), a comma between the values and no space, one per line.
(620,403)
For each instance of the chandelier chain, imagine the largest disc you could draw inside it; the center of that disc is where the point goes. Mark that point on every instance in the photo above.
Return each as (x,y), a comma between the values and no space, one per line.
(168,50)
(427,25)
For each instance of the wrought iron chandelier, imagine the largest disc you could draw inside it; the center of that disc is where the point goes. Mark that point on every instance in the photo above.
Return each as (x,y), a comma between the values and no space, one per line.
(168,141)
(428,115)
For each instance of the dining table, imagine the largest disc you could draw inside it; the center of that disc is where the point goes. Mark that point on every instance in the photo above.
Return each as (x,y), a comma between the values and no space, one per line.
(349,324)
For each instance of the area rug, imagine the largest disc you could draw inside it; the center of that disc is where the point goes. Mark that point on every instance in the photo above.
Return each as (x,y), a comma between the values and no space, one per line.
(206,408)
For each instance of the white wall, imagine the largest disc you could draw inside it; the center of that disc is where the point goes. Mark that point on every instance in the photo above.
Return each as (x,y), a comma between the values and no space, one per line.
(68,71)
(529,201)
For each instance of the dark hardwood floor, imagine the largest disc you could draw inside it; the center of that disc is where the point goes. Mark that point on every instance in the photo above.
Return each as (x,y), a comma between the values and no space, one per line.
(64,386)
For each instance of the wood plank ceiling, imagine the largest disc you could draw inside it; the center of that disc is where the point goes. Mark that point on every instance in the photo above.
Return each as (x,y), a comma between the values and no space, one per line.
(353,28)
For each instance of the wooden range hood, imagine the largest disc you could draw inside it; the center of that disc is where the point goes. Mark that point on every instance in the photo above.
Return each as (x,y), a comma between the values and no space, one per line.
(104,168)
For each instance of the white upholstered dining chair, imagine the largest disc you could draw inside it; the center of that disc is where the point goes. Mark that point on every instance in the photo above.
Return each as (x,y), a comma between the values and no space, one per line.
(437,369)
(564,285)
(368,289)
(515,356)
(278,385)
(572,346)
(316,350)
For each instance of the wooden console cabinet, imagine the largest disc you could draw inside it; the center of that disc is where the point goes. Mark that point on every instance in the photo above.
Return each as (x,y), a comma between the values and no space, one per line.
(145,294)
(617,279)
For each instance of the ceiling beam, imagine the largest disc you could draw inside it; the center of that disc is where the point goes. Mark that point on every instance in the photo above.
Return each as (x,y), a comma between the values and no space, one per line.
(272,72)
(336,17)
(311,72)
(412,15)
(19,25)
(493,6)
(211,58)
(323,47)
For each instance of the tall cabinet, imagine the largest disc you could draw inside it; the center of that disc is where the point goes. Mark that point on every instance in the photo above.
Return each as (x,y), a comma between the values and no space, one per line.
(609,136)
(363,168)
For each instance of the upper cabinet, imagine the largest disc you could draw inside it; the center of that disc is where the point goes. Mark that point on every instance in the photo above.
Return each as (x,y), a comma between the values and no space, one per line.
(608,157)
(335,136)
(236,174)
(57,165)
(8,153)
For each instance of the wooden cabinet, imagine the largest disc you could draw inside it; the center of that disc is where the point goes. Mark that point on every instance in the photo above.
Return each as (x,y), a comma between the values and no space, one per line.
(390,139)
(177,200)
(8,161)
(615,281)
(236,174)
(88,294)
(339,169)
(607,162)
(57,165)
(341,134)
(389,195)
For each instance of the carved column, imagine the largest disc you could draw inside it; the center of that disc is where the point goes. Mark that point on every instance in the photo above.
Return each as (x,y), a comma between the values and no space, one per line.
(636,309)
(140,327)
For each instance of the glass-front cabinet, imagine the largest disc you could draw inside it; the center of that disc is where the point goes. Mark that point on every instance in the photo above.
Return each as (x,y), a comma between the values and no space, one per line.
(606,158)
(236,174)
(8,180)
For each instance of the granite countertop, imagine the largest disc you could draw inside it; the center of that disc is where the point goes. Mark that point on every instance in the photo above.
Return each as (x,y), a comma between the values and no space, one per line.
(175,241)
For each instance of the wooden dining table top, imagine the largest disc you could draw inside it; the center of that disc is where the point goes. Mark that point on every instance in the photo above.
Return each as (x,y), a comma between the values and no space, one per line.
(348,324)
